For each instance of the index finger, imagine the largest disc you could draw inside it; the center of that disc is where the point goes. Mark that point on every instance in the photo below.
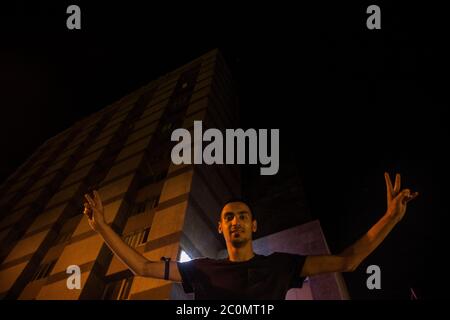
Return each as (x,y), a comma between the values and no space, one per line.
(389,187)
(96,194)
(97,198)
(89,199)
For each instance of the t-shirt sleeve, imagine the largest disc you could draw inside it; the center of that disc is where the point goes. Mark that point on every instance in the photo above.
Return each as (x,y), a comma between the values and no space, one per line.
(188,271)
(294,265)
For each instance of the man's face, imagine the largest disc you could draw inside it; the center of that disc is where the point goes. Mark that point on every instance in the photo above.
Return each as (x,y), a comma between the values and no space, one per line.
(236,224)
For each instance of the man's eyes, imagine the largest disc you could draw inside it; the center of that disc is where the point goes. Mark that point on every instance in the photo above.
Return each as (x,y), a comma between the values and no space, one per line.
(242,217)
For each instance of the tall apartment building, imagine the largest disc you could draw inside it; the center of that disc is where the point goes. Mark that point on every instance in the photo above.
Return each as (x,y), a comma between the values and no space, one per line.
(123,149)
(159,208)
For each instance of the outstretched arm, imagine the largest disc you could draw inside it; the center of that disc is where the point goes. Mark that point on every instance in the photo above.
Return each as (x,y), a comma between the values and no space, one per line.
(137,263)
(351,257)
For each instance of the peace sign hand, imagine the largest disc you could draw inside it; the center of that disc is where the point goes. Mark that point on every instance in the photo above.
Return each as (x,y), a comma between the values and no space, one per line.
(396,199)
(93,209)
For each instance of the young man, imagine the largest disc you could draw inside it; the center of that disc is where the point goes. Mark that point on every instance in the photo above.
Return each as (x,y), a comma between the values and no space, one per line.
(244,274)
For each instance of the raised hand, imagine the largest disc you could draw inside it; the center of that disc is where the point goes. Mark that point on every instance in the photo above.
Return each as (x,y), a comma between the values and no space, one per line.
(397,200)
(93,209)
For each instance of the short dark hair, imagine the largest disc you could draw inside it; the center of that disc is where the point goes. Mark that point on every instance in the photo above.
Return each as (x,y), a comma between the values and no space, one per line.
(243,200)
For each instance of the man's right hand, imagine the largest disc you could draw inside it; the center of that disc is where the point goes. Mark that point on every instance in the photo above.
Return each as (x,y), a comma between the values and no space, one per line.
(93,209)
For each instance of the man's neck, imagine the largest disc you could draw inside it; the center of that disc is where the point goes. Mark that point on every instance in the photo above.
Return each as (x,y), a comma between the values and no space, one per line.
(240,254)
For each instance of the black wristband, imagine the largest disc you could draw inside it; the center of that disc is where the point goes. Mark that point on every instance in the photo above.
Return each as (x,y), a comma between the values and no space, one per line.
(166,267)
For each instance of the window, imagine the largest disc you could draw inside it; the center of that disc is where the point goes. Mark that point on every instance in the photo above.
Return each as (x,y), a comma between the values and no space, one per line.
(160,176)
(44,270)
(152,178)
(184,257)
(139,208)
(118,289)
(149,204)
(137,238)
(179,103)
(63,237)
(153,202)
(166,128)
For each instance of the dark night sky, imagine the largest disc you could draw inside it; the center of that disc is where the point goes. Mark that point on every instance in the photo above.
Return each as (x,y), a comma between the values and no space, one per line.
(350,103)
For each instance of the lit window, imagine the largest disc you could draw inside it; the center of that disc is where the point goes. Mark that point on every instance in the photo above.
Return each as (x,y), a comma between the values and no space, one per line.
(184,257)
(137,238)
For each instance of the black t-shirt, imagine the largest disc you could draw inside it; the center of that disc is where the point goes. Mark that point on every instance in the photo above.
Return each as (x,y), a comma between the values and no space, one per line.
(261,277)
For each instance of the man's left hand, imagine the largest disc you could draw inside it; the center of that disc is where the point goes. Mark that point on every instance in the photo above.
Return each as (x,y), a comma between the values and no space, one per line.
(397,200)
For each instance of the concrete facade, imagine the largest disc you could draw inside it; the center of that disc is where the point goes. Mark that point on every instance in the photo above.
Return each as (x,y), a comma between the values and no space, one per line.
(124,150)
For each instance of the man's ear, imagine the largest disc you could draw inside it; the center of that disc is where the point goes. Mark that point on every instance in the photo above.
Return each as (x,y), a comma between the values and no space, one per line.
(254,225)
(219,228)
